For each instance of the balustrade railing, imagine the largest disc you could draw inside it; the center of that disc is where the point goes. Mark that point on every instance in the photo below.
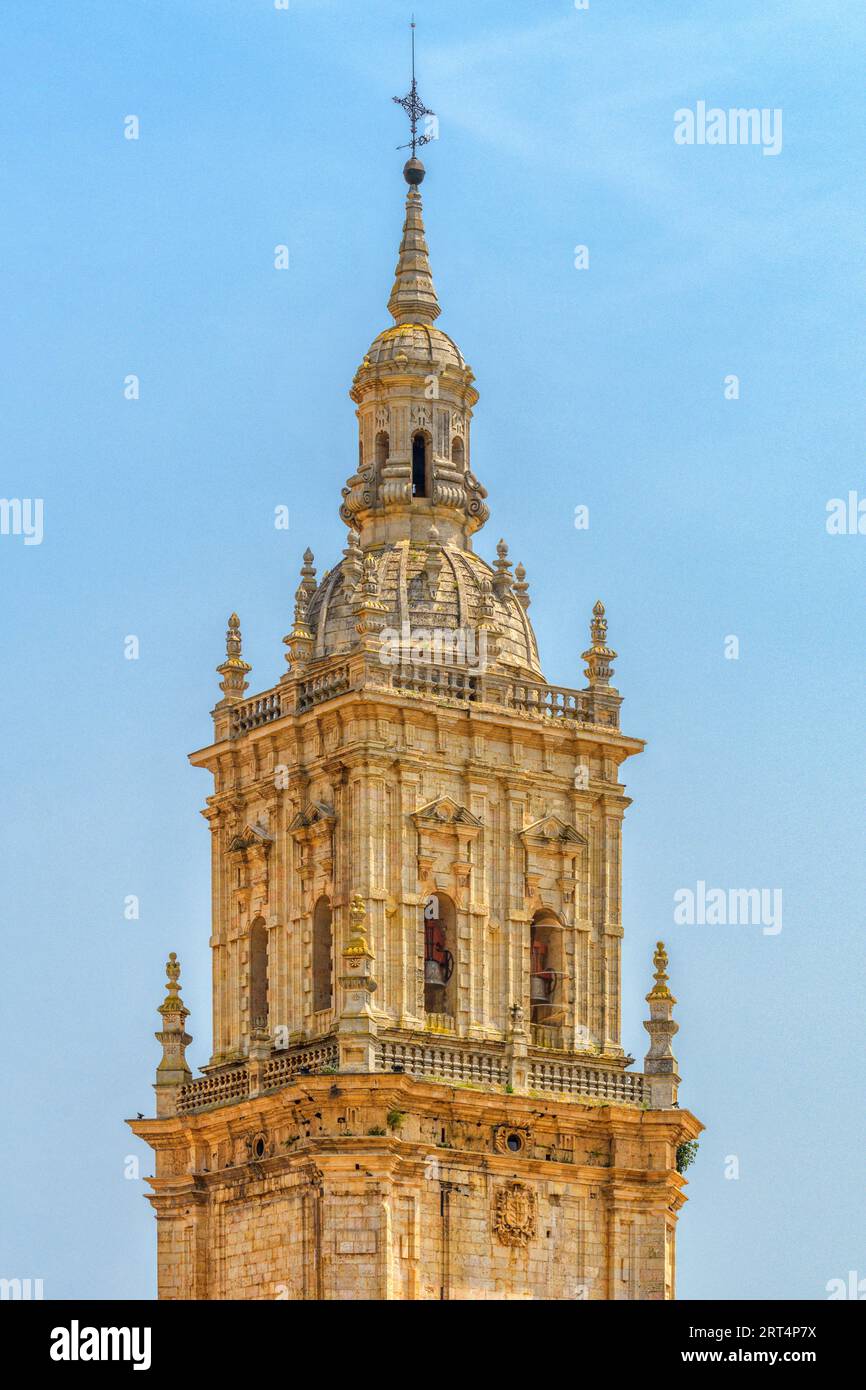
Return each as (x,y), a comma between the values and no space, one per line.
(325,686)
(439,1023)
(577,1079)
(555,701)
(216,1089)
(437,1056)
(319,1057)
(437,682)
(446,1063)
(448,683)
(253,713)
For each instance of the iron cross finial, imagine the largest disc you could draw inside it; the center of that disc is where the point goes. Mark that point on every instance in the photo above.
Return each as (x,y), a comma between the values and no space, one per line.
(414,107)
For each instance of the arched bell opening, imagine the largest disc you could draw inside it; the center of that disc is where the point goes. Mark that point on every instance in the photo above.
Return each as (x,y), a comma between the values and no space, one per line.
(323,974)
(458,453)
(258,975)
(420,465)
(440,944)
(546,976)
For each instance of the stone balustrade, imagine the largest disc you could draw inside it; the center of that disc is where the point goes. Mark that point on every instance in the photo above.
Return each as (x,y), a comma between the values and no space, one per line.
(443,1061)
(435,682)
(437,1057)
(578,1079)
(284,1068)
(327,685)
(552,700)
(448,684)
(217,1088)
(251,714)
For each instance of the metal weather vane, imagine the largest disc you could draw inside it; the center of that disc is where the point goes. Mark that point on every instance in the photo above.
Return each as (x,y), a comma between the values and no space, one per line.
(414,107)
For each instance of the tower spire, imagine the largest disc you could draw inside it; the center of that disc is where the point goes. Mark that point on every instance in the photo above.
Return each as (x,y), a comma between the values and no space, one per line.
(413,297)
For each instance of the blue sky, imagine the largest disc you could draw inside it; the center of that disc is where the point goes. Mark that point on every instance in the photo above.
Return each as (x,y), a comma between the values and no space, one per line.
(600,387)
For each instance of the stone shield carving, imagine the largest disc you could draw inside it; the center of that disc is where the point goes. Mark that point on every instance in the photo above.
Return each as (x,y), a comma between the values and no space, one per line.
(514,1210)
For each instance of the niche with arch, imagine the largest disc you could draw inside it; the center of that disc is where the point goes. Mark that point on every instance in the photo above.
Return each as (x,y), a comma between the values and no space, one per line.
(440,947)
(323,971)
(420,465)
(258,975)
(546,975)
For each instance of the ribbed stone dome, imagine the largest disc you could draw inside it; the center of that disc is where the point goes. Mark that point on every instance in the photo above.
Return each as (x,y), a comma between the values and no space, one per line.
(420,343)
(429,587)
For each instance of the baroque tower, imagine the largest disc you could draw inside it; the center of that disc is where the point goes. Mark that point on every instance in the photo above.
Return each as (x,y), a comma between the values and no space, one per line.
(417,1088)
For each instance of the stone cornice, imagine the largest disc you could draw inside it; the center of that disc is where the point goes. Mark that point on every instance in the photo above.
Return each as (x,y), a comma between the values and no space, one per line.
(427,1096)
(480,711)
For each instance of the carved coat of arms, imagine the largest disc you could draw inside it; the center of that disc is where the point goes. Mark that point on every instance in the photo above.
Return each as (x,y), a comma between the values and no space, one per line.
(514,1214)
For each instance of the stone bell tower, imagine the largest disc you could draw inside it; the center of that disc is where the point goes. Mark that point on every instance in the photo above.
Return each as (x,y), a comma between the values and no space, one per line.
(417,1088)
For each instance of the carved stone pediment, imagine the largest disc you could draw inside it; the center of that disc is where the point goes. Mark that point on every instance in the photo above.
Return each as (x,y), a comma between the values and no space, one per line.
(315,815)
(446,814)
(552,849)
(551,832)
(254,835)
(445,832)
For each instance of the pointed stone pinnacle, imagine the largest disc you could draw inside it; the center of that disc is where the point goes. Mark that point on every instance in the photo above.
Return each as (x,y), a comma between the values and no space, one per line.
(413,297)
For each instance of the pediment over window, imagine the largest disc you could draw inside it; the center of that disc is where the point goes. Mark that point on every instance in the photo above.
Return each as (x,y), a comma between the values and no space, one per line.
(315,815)
(549,832)
(444,812)
(254,835)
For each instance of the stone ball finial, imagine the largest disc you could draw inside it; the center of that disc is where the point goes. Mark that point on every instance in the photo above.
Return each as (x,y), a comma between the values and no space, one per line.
(413,172)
